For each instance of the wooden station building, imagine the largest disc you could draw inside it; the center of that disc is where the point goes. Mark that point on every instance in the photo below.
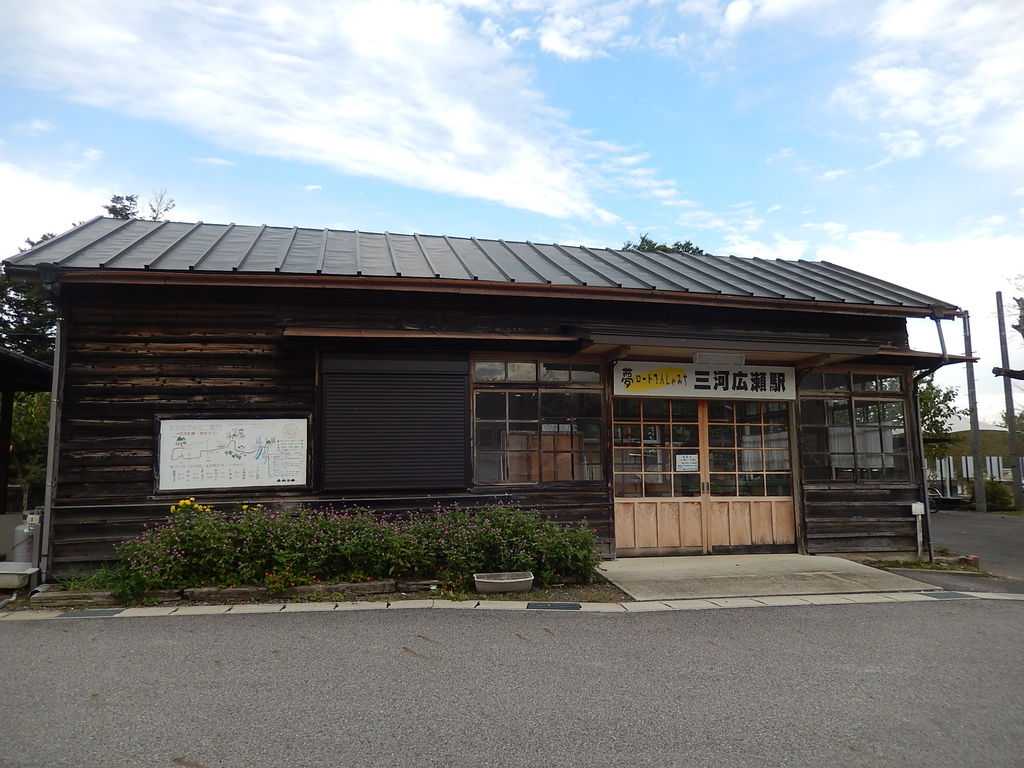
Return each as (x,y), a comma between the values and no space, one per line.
(681,404)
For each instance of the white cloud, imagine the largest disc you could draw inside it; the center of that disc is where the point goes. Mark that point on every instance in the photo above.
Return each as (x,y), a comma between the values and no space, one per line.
(733,227)
(736,16)
(987,226)
(65,203)
(706,10)
(781,247)
(782,154)
(425,101)
(833,229)
(833,174)
(311,188)
(34,127)
(86,158)
(900,145)
(950,71)
(213,161)
(966,271)
(579,29)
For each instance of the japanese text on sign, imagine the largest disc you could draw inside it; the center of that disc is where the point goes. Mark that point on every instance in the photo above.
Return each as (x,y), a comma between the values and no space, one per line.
(738,382)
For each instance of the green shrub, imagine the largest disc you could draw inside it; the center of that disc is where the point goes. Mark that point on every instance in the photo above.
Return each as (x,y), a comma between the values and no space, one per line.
(115,579)
(199,545)
(998,496)
(460,542)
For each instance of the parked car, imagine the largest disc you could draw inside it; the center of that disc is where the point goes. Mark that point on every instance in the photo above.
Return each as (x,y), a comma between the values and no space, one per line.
(937,501)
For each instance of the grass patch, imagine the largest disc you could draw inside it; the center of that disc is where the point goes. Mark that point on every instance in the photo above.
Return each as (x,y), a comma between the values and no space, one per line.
(923,566)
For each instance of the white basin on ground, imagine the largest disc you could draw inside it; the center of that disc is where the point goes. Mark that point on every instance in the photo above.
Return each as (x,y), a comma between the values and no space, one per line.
(15,574)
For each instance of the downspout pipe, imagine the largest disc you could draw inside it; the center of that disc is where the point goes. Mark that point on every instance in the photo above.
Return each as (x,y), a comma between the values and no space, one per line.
(48,274)
(937,317)
(924,461)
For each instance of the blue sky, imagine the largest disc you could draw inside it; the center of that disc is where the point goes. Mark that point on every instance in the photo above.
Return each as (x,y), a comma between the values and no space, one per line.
(885,136)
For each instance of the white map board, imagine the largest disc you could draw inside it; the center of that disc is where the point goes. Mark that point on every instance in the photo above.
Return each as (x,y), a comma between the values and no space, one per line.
(231,453)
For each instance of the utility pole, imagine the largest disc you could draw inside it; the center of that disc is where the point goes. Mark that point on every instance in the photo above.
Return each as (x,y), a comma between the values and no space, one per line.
(980,503)
(1011,413)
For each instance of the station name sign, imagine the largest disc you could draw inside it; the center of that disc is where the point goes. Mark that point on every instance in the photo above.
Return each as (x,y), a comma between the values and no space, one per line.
(733,382)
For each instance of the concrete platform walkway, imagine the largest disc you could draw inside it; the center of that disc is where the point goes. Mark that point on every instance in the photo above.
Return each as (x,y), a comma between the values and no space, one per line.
(687,578)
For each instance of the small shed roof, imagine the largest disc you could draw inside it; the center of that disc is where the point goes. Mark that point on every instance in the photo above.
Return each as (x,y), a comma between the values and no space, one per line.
(117,247)
(21,373)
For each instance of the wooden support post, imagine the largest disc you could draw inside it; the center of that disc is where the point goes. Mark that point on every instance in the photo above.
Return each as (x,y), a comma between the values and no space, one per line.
(6,420)
(1011,414)
(978,461)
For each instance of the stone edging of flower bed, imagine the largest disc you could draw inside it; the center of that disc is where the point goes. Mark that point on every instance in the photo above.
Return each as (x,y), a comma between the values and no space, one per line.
(61,598)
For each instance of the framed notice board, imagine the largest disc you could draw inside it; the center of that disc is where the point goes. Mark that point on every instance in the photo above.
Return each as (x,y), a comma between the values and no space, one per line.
(197,454)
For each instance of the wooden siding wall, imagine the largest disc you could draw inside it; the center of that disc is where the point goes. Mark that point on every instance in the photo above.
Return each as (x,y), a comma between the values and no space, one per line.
(138,352)
(857,520)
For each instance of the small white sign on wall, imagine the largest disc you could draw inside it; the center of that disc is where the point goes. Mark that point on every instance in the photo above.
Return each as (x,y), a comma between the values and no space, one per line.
(231,453)
(687,462)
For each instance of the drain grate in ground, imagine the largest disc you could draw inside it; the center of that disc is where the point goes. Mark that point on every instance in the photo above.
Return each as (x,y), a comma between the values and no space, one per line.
(91,613)
(555,606)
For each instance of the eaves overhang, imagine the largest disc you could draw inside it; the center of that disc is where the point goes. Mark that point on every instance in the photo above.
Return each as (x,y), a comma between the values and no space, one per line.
(20,373)
(110,276)
(135,251)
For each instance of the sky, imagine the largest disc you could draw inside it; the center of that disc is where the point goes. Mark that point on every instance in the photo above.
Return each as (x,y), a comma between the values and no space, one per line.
(884,136)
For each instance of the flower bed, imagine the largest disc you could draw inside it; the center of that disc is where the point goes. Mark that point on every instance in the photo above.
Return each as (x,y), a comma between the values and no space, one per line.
(202,546)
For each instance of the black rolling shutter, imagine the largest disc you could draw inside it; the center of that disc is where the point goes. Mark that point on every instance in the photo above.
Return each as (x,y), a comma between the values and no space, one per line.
(394,423)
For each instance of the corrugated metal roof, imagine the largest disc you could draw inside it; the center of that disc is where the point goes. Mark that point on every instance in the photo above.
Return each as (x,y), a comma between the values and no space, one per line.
(120,245)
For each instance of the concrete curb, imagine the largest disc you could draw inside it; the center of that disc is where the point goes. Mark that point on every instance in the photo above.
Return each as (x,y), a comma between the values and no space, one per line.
(661,606)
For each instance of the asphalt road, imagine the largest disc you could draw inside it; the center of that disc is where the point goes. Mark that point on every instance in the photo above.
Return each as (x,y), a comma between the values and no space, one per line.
(998,540)
(907,684)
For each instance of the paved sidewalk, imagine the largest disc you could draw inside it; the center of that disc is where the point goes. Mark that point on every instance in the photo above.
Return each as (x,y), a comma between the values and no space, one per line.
(246,609)
(712,576)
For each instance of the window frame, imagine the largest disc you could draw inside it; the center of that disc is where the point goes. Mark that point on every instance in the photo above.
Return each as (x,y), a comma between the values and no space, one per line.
(823,386)
(543,452)
(674,432)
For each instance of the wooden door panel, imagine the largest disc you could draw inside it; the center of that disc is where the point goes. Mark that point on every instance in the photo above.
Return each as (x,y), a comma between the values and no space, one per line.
(784,521)
(625,537)
(679,523)
(717,512)
(668,524)
(691,525)
(761,527)
(646,522)
(739,523)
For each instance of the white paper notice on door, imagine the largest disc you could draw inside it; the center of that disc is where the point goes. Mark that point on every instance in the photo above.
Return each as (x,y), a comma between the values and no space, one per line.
(687,462)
